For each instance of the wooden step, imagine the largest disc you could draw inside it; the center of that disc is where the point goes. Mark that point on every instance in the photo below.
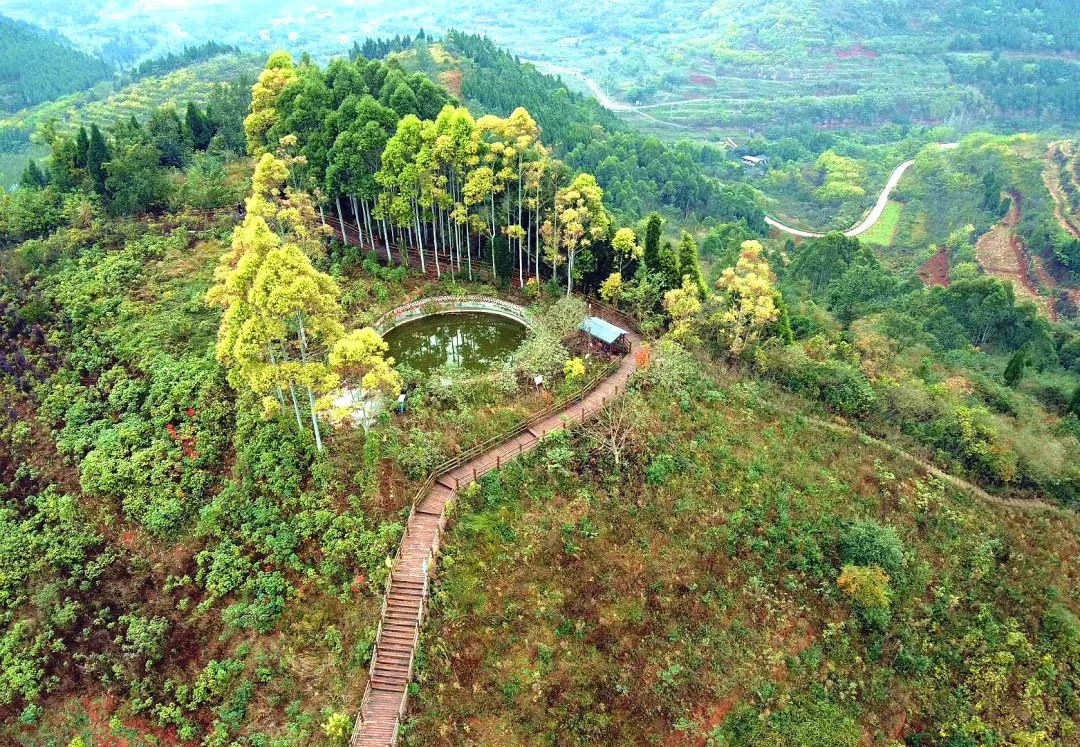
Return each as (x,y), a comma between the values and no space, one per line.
(405,595)
(401,624)
(392,656)
(392,669)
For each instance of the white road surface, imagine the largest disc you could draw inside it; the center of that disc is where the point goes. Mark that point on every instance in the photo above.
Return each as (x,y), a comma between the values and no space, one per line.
(617,106)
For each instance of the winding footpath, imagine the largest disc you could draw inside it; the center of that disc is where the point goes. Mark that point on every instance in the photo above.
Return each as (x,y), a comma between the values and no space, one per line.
(410,578)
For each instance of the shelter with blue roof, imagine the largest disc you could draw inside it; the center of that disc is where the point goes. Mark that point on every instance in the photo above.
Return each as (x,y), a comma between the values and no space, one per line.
(603,331)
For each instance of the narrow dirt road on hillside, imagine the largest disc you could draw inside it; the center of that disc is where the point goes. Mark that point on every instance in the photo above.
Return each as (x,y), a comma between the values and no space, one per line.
(1001,254)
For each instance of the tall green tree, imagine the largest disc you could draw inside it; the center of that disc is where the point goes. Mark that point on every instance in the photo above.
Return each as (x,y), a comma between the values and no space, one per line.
(689,264)
(198,126)
(82,147)
(135,181)
(97,155)
(1014,370)
(33,177)
(167,135)
(651,257)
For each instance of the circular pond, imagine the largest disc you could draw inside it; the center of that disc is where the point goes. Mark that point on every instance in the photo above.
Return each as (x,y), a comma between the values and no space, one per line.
(472,340)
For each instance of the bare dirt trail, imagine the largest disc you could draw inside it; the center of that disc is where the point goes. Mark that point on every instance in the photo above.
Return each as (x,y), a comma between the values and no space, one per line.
(974,491)
(1002,254)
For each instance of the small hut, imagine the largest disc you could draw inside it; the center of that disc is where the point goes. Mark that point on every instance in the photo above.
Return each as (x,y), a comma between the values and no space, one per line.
(601,332)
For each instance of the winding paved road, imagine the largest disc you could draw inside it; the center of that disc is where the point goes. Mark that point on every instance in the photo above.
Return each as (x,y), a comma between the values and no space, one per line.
(875,213)
(618,106)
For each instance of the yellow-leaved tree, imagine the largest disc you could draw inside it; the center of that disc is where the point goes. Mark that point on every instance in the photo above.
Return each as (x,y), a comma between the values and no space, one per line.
(359,359)
(579,220)
(683,305)
(278,73)
(747,301)
(280,312)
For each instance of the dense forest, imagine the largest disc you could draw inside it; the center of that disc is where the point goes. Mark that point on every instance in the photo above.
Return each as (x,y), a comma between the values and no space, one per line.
(57,67)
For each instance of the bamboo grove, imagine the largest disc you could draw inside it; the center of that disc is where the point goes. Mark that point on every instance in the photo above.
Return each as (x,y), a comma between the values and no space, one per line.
(402,166)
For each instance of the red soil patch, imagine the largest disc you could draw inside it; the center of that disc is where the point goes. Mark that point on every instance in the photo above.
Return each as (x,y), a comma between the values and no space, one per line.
(856,50)
(702,80)
(935,271)
(1002,254)
(101,710)
(452,80)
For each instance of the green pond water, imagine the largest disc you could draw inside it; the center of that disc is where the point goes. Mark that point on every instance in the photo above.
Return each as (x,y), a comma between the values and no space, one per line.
(474,341)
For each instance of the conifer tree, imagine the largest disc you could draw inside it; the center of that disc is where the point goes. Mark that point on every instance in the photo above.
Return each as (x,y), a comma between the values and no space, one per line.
(689,264)
(198,127)
(652,242)
(82,147)
(97,155)
(33,177)
(1014,370)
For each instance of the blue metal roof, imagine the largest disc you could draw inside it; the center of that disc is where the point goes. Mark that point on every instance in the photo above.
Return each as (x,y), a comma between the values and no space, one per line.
(602,330)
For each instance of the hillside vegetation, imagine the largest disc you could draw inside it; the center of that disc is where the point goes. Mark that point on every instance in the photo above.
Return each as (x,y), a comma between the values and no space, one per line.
(836,504)
(38,66)
(106,102)
(706,583)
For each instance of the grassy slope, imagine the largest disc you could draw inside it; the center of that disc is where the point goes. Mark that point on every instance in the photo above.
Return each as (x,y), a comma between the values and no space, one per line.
(883,231)
(581,604)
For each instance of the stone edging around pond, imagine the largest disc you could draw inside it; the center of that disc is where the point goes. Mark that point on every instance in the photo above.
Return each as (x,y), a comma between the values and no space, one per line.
(451,305)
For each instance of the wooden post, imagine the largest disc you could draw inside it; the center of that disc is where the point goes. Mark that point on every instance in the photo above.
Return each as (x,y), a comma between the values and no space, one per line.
(474,474)
(457,483)
(498,461)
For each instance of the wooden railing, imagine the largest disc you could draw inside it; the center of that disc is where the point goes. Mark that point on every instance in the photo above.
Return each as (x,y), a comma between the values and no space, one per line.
(441,469)
(466,456)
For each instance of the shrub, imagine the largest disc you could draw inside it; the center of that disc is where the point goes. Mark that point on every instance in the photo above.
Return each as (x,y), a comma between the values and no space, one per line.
(839,385)
(866,586)
(541,353)
(867,543)
(337,726)
(562,318)
(1063,628)
(574,369)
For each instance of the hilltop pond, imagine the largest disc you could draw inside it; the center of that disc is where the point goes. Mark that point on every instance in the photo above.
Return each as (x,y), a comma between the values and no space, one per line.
(475,341)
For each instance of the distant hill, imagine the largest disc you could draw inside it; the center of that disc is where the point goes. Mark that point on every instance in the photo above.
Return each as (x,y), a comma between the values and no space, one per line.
(106,103)
(37,66)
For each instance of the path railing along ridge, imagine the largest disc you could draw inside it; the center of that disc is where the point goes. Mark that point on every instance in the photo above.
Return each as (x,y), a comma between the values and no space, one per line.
(408,585)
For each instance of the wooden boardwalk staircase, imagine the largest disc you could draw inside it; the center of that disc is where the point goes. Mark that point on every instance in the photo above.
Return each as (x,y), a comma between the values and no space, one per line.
(407,590)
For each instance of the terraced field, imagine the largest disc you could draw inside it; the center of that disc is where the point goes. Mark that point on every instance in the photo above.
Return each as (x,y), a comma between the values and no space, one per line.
(105,103)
